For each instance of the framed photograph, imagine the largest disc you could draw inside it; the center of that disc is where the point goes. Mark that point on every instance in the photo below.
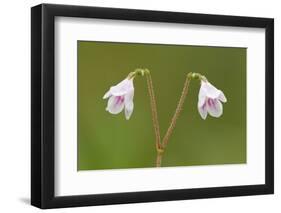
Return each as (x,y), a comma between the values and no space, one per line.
(139,106)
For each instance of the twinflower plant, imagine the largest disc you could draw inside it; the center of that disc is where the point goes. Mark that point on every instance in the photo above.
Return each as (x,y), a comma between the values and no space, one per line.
(120,97)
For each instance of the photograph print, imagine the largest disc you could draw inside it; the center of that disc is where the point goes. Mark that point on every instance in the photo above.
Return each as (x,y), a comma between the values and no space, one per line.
(144,105)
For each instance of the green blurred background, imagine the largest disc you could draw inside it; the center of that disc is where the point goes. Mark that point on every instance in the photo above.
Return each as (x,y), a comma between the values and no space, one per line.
(107,141)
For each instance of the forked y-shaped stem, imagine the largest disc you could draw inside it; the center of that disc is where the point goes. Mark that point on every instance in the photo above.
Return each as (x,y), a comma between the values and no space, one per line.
(161,146)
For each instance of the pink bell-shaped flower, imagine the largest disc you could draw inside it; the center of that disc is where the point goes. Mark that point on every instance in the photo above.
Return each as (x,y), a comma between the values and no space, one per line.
(209,100)
(121,97)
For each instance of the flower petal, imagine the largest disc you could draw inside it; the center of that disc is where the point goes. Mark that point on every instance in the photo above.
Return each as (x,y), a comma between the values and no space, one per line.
(222,97)
(115,104)
(210,90)
(129,96)
(107,94)
(129,110)
(129,104)
(122,88)
(203,111)
(201,96)
(214,107)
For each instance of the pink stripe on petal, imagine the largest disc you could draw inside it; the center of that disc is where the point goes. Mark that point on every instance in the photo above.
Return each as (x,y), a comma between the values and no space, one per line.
(119,100)
(215,109)
(209,101)
(204,106)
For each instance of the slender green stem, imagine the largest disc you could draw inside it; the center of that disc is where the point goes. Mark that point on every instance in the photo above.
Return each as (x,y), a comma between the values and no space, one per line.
(159,158)
(153,110)
(178,111)
(184,93)
(153,105)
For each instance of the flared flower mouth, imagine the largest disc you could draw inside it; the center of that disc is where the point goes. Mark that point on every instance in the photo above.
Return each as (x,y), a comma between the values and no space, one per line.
(121,97)
(210,100)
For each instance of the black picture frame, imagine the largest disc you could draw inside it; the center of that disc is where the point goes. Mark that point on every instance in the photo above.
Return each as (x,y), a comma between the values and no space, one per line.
(43,102)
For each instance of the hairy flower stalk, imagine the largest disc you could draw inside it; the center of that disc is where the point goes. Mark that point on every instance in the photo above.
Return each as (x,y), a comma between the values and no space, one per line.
(180,104)
(209,95)
(153,111)
(174,119)
(155,121)
(178,110)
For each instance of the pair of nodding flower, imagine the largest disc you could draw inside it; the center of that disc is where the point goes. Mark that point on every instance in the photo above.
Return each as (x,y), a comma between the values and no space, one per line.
(121,97)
